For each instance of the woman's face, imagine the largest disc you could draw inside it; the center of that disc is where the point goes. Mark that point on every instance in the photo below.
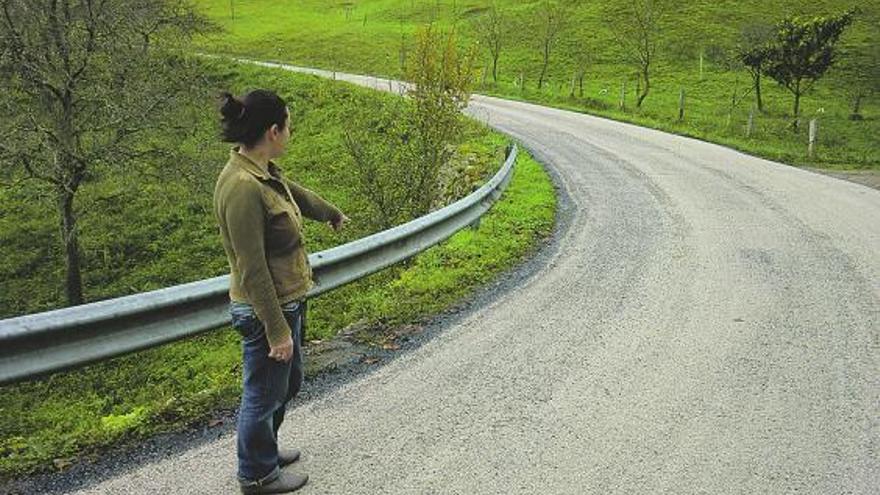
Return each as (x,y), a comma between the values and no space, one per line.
(280,136)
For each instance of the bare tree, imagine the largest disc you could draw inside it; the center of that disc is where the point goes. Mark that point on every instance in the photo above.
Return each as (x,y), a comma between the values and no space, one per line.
(859,69)
(636,26)
(490,31)
(555,16)
(85,79)
(582,53)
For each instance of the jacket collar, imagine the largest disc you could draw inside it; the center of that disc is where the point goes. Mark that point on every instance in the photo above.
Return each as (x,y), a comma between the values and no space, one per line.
(270,171)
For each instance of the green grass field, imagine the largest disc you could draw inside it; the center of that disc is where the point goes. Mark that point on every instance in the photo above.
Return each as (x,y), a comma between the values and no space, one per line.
(371,36)
(171,238)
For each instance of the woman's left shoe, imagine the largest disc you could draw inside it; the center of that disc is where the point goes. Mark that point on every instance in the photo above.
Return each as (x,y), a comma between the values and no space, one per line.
(287,456)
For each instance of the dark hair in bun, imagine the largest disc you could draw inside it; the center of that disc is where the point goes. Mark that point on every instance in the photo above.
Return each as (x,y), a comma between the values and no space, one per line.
(246,120)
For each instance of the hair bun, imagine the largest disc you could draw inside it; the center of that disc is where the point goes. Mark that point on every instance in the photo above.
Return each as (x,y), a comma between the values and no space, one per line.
(233,108)
(246,119)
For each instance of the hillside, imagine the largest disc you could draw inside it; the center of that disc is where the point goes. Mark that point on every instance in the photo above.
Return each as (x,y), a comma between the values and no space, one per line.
(374,37)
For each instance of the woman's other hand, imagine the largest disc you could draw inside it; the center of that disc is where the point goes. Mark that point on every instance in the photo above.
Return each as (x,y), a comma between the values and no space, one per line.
(337,223)
(282,352)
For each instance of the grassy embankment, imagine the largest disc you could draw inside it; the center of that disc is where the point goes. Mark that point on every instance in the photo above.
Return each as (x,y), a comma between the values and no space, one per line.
(367,36)
(140,233)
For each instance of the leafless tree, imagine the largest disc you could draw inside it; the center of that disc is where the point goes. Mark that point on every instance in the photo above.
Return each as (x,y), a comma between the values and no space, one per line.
(859,70)
(82,81)
(582,55)
(636,26)
(490,31)
(554,19)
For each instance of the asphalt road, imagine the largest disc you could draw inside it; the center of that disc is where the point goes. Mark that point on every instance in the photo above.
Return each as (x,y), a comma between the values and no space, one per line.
(708,324)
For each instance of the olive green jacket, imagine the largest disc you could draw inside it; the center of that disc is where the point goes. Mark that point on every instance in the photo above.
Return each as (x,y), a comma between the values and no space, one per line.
(260,214)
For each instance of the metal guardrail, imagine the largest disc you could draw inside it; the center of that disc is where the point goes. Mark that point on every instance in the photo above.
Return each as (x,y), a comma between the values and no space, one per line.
(41,343)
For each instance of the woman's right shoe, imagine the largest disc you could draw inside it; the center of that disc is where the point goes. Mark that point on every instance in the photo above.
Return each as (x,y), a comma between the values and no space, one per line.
(284,483)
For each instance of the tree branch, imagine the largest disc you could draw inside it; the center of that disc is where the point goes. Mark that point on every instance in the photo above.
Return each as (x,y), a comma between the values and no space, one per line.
(90,43)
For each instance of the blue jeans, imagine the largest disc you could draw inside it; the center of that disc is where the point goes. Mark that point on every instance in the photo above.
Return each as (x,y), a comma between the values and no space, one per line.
(268,386)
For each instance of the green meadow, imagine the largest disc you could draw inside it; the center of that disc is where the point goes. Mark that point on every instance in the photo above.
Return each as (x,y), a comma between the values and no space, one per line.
(375,37)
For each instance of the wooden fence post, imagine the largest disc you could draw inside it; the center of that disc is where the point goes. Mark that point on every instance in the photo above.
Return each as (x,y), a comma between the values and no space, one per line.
(751,123)
(814,131)
(622,104)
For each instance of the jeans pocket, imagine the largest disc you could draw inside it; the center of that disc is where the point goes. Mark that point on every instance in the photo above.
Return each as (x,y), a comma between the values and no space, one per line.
(291,307)
(245,322)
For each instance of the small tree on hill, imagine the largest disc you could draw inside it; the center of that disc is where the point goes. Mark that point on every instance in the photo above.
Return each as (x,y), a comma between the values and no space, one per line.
(859,70)
(802,51)
(636,26)
(582,58)
(581,51)
(490,30)
(754,53)
(555,18)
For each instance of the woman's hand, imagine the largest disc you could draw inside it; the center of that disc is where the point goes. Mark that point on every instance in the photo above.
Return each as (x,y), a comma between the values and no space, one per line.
(282,352)
(337,223)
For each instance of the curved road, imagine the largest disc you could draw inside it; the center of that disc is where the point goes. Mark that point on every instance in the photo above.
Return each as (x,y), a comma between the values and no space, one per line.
(708,324)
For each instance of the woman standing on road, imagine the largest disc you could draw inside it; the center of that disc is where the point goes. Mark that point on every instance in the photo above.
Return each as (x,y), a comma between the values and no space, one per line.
(260,214)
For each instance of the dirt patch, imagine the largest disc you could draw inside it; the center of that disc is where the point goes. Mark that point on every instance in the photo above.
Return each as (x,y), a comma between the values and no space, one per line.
(870,178)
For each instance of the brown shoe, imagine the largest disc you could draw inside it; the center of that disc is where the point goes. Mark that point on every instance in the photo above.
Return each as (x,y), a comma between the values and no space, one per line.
(287,456)
(284,483)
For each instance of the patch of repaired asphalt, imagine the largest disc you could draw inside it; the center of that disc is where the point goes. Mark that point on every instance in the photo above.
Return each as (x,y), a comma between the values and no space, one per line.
(870,178)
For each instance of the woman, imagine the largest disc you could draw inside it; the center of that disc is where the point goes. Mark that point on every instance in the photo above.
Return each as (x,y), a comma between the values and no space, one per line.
(260,214)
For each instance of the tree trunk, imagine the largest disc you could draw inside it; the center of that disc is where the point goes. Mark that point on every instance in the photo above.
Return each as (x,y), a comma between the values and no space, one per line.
(857,108)
(644,93)
(543,73)
(581,84)
(73,285)
(495,69)
(759,102)
(544,67)
(797,105)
